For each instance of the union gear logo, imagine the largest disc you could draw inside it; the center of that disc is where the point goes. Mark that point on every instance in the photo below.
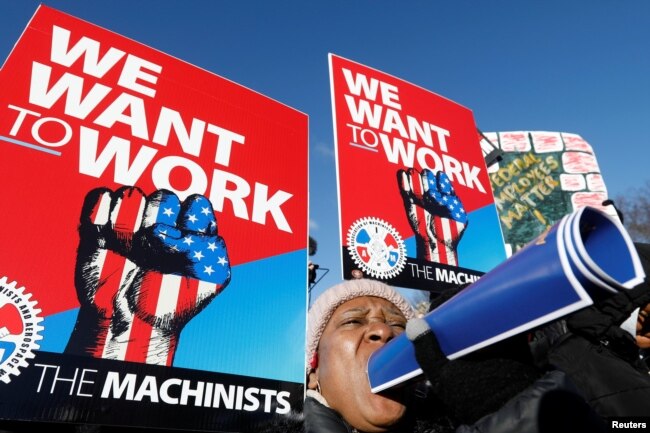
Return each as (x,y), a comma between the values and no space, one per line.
(376,247)
(19,329)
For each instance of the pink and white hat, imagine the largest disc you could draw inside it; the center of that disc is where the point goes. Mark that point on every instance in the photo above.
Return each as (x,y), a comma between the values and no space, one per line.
(323,308)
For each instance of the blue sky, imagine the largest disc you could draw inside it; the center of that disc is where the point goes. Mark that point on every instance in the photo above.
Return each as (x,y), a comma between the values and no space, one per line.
(580,66)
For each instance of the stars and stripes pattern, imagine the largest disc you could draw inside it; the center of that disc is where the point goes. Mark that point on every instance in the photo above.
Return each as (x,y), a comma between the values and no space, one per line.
(448,213)
(437,212)
(439,190)
(194,236)
(186,267)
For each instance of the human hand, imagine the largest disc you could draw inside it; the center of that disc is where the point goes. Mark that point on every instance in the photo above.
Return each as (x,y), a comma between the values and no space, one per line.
(643,327)
(435,213)
(145,267)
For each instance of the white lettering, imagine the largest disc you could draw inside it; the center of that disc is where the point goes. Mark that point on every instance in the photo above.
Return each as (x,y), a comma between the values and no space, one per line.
(263,205)
(148,388)
(220,192)
(134,70)
(252,403)
(69,85)
(118,149)
(161,172)
(136,117)
(171,119)
(164,390)
(187,391)
(359,84)
(114,388)
(85,47)
(224,143)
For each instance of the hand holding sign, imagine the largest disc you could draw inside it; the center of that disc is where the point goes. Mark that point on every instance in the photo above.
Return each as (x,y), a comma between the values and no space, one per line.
(145,267)
(435,213)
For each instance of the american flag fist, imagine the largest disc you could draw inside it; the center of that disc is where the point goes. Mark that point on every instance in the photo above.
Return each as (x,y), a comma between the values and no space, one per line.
(435,213)
(145,267)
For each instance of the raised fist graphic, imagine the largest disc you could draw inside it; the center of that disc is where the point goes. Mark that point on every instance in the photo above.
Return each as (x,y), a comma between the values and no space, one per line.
(435,213)
(145,267)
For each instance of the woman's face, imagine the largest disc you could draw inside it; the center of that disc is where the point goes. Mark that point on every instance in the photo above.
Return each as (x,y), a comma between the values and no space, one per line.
(357,328)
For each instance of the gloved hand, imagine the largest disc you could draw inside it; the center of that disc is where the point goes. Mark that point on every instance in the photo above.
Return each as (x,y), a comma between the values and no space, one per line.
(476,384)
(145,267)
(435,214)
(600,322)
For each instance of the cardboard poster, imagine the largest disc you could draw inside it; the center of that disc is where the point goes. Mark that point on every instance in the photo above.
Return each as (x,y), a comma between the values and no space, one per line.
(416,207)
(542,176)
(153,261)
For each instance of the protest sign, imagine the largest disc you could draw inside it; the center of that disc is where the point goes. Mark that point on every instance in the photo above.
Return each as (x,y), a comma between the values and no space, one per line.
(542,175)
(416,207)
(153,259)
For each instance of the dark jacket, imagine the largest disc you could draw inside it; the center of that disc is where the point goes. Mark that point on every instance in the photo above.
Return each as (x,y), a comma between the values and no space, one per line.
(549,405)
(600,357)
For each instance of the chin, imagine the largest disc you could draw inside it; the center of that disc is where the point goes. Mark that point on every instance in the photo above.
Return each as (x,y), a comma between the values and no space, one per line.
(388,409)
(382,423)
(373,413)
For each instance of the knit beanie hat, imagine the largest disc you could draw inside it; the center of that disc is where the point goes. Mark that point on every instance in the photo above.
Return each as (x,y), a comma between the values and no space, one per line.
(323,308)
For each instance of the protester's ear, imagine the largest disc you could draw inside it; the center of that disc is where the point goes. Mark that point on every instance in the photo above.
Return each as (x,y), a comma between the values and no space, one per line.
(312,379)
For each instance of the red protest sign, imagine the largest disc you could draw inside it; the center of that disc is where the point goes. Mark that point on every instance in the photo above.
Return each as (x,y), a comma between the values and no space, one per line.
(143,208)
(413,185)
